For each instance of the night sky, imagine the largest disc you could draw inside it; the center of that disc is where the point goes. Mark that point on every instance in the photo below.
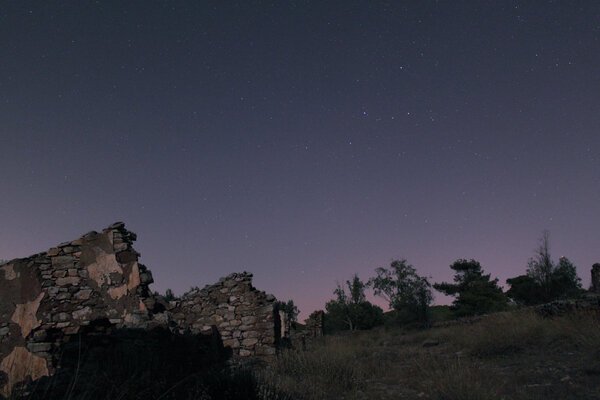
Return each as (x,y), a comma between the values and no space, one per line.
(303,141)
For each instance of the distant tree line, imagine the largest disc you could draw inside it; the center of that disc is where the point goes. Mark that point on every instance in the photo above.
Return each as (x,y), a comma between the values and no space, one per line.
(410,295)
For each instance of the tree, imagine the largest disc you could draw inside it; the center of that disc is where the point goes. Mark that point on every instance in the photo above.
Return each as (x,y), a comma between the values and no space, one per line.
(547,281)
(524,290)
(290,309)
(540,267)
(357,290)
(403,289)
(351,311)
(475,292)
(169,295)
(565,282)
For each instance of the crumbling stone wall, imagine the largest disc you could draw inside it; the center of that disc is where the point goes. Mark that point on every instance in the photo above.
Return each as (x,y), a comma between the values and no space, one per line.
(94,285)
(560,307)
(49,297)
(314,324)
(246,319)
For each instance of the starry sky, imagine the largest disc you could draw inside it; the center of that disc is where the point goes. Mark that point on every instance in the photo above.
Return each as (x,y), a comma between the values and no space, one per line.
(303,141)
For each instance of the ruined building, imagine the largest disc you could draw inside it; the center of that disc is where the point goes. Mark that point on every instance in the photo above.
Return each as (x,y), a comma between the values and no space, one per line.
(95,283)
(247,320)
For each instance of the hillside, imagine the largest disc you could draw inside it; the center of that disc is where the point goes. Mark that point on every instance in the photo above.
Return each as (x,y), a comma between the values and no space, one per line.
(516,355)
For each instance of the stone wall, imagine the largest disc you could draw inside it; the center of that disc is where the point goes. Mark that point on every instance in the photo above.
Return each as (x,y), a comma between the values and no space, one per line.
(94,285)
(587,303)
(314,324)
(246,319)
(49,297)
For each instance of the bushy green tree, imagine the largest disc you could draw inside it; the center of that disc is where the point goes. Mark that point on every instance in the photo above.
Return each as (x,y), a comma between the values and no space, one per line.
(524,290)
(351,311)
(565,282)
(475,292)
(405,291)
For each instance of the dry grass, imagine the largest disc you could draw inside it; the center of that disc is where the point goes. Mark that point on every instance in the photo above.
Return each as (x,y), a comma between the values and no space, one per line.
(456,379)
(515,355)
(328,368)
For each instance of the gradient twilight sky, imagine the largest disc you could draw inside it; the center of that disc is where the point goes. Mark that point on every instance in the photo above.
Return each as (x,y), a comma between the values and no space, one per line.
(303,141)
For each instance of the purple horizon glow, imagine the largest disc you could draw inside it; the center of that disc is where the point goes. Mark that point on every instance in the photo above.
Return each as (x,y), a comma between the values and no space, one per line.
(304,141)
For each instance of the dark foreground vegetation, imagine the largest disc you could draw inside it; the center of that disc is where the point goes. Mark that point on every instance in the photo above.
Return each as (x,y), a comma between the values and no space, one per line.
(517,355)
(511,355)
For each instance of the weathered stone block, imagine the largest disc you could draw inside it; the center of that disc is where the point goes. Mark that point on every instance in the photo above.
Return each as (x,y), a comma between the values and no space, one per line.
(53,252)
(127,256)
(70,249)
(83,294)
(251,334)
(233,343)
(82,313)
(63,296)
(249,342)
(61,317)
(60,273)
(63,261)
(39,347)
(69,280)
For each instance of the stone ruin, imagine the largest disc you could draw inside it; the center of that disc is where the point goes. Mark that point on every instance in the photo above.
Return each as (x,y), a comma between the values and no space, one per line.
(314,325)
(587,302)
(294,338)
(95,284)
(595,288)
(246,319)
